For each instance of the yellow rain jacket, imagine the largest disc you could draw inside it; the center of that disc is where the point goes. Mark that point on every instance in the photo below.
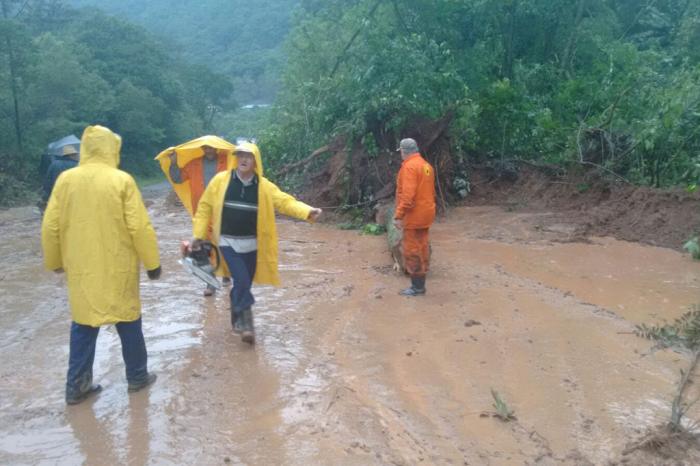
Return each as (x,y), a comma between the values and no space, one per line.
(185,154)
(97,229)
(270,198)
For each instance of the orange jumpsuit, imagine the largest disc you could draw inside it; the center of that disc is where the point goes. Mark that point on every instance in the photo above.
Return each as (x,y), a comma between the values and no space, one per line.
(415,206)
(194,171)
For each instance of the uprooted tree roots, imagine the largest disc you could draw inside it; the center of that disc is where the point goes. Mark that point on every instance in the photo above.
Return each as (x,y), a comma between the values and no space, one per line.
(352,177)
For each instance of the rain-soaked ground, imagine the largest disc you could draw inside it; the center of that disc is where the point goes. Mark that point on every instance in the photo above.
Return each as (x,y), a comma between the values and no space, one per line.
(345,371)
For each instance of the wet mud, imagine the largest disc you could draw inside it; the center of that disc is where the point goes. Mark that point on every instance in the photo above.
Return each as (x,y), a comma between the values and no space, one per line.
(347,372)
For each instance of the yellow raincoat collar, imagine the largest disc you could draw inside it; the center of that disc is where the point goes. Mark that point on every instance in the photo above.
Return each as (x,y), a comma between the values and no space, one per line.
(100,145)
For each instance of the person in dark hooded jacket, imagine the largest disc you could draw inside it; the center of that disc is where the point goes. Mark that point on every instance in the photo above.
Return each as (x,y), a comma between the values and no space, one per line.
(68,160)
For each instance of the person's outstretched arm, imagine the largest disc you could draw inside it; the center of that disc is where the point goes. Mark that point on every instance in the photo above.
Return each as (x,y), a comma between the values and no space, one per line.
(288,205)
(175,173)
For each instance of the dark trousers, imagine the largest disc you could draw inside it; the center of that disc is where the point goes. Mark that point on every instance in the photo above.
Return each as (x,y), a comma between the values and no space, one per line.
(82,355)
(242,268)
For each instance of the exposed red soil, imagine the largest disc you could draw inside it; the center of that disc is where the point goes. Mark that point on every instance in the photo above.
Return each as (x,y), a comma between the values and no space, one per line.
(595,206)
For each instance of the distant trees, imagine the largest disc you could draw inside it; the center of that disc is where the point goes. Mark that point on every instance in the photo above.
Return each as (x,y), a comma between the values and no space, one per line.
(607,83)
(62,69)
(239,38)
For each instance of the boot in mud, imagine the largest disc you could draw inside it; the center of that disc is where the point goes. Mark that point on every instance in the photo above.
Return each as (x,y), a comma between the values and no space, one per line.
(248,334)
(236,320)
(417,287)
(135,387)
(75,398)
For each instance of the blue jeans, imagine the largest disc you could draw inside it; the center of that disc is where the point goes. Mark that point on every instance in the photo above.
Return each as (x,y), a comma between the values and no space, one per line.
(82,355)
(242,268)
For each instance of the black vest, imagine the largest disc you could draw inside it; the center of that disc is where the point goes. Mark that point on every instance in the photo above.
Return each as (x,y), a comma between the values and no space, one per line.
(239,218)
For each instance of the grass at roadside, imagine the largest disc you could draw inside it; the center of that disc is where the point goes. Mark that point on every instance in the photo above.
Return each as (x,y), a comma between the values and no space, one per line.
(144,181)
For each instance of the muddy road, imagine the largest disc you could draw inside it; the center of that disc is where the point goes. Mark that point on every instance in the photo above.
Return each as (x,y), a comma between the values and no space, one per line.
(347,372)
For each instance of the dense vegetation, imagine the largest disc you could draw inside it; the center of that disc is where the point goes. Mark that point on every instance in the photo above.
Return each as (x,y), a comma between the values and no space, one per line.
(63,69)
(610,84)
(607,83)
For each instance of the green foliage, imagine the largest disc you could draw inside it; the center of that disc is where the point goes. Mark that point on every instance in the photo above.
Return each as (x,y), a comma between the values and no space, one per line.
(373,229)
(348,226)
(503,411)
(603,82)
(240,39)
(62,70)
(352,70)
(583,187)
(244,122)
(682,335)
(14,192)
(693,247)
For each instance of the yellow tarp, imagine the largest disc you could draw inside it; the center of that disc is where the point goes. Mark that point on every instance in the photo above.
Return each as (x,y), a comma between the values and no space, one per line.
(187,152)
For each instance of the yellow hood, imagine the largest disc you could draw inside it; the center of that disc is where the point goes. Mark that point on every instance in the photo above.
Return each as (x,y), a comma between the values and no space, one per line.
(187,152)
(251,149)
(100,145)
(97,229)
(193,149)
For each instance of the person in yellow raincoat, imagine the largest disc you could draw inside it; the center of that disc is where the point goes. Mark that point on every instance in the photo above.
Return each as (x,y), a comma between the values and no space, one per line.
(97,230)
(190,167)
(240,205)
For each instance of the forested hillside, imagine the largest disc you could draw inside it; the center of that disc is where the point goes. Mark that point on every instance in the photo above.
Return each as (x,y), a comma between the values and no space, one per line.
(611,84)
(240,38)
(63,69)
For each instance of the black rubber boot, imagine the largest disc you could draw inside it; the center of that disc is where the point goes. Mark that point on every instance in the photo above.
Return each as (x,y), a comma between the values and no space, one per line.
(236,320)
(417,287)
(135,387)
(248,334)
(92,390)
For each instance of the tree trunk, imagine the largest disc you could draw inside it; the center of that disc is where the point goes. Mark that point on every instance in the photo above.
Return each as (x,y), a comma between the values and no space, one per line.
(13,78)
(508,40)
(567,55)
(677,409)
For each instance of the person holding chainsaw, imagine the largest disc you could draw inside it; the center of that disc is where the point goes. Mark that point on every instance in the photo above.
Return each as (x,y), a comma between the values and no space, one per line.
(199,172)
(97,230)
(240,204)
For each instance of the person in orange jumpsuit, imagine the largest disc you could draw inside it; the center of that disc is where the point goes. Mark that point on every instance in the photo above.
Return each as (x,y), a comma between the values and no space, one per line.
(415,213)
(199,172)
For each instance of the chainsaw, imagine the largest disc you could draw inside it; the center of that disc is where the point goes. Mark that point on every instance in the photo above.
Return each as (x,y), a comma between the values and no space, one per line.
(198,264)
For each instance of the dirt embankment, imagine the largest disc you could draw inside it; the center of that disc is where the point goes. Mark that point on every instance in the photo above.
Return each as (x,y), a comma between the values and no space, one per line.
(595,202)
(594,205)
(597,207)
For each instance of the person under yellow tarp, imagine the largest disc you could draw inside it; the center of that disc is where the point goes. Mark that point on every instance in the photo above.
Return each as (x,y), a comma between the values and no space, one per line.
(240,206)
(190,167)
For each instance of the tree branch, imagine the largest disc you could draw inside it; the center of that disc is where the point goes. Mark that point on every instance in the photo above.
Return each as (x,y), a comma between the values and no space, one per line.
(304,161)
(340,58)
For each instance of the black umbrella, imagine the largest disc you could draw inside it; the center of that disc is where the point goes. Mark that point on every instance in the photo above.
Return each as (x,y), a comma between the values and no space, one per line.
(65,146)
